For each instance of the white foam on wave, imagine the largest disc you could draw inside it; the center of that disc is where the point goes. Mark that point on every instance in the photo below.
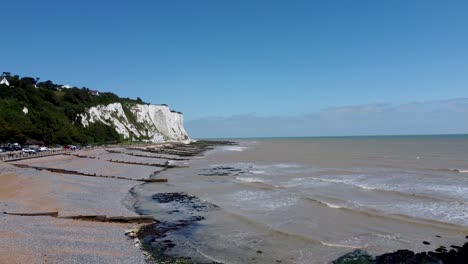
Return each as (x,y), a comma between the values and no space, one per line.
(267,166)
(452,212)
(453,190)
(285,166)
(332,205)
(275,169)
(394,237)
(233,148)
(257,171)
(250,179)
(342,246)
(455,170)
(303,182)
(261,200)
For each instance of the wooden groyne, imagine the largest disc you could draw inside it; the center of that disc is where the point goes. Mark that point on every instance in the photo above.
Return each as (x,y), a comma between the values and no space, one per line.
(167,152)
(63,171)
(80,156)
(8,157)
(52,214)
(166,165)
(93,218)
(187,150)
(145,156)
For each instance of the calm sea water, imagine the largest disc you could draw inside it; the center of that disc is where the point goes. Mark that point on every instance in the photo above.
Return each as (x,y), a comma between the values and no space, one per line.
(310,200)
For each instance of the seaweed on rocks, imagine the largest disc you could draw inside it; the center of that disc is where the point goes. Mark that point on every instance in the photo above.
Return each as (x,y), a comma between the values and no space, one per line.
(356,257)
(457,255)
(188,201)
(158,239)
(222,171)
(155,238)
(406,257)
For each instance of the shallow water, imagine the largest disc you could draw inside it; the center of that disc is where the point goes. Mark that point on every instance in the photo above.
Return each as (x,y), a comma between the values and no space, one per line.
(311,200)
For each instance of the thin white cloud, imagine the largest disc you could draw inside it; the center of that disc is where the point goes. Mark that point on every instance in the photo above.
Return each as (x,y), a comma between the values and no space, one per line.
(434,117)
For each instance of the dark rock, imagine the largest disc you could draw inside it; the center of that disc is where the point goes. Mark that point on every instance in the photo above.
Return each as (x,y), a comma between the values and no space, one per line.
(259,251)
(356,257)
(441,249)
(173,197)
(222,171)
(406,257)
(426,243)
(457,255)
(438,236)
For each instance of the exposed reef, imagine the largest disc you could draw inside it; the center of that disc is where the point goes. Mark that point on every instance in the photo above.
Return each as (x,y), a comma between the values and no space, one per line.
(442,255)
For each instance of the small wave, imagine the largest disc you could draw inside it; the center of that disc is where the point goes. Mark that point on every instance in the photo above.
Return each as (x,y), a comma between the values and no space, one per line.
(277,232)
(285,166)
(249,179)
(203,254)
(455,170)
(263,200)
(257,171)
(333,205)
(257,166)
(392,216)
(256,184)
(397,216)
(341,245)
(233,148)
(321,202)
(393,237)
(379,189)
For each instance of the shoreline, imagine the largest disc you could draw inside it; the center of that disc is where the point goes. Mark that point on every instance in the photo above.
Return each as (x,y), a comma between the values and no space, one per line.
(338,259)
(148,235)
(32,190)
(47,204)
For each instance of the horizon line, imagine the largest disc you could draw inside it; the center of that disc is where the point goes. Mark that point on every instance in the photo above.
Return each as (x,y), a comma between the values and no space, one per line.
(344,136)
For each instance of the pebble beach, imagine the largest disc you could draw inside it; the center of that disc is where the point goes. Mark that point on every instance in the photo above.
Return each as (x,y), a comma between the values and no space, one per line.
(95,184)
(44,239)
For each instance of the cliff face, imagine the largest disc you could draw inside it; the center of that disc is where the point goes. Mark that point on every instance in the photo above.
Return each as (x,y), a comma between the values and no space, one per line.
(154,123)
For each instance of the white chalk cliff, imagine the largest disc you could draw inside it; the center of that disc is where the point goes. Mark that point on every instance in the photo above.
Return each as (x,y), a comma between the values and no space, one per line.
(154,123)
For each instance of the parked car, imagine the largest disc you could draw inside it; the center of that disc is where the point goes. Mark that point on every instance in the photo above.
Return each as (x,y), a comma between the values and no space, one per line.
(7,148)
(28,150)
(71,147)
(42,149)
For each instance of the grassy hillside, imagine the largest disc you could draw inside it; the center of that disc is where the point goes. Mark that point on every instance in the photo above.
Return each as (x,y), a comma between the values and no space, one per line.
(52,113)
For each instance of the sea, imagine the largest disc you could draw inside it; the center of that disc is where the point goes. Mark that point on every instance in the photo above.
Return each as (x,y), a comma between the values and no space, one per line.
(311,200)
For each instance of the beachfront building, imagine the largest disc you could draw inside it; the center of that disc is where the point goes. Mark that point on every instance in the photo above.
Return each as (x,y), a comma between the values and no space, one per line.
(93,92)
(3,80)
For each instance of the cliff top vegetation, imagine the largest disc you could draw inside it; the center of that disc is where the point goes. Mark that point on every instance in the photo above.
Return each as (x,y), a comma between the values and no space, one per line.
(49,112)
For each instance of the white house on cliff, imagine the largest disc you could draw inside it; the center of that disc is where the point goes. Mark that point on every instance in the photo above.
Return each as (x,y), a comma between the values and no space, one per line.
(3,80)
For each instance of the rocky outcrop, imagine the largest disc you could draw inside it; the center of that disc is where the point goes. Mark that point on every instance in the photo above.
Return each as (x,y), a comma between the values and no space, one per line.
(152,123)
(442,255)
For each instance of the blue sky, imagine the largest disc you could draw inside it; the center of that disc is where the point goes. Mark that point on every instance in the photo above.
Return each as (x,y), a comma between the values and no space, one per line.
(219,60)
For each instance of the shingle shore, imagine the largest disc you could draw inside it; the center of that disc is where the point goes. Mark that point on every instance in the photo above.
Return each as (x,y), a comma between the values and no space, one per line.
(42,239)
